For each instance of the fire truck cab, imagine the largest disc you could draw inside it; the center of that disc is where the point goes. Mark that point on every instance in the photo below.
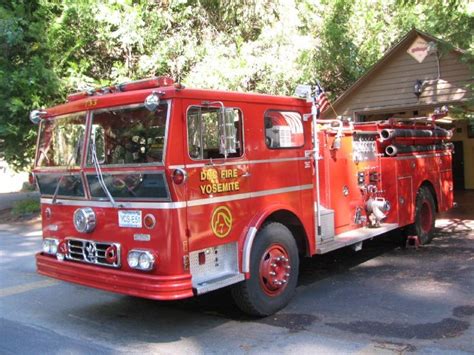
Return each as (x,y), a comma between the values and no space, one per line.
(154,190)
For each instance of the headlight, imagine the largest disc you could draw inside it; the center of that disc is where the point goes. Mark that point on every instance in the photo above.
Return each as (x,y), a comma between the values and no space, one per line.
(141,260)
(146,261)
(84,220)
(50,246)
(132,259)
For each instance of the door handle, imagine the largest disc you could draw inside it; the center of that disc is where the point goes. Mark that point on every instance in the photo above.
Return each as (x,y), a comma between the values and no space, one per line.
(246,174)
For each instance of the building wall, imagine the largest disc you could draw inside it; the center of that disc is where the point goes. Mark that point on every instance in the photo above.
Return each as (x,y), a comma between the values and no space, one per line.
(391,85)
(389,90)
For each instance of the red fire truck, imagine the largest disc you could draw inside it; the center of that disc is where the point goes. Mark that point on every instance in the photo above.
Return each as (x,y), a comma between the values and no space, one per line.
(154,190)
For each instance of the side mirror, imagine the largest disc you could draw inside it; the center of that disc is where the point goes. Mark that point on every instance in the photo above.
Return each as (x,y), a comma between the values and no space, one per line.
(227,119)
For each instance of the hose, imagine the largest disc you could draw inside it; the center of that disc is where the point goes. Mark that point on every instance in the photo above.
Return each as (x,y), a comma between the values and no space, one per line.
(392,149)
(386,134)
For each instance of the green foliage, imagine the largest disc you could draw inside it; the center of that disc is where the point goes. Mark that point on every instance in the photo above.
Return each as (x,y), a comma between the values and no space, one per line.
(51,47)
(25,78)
(27,187)
(26,207)
(335,60)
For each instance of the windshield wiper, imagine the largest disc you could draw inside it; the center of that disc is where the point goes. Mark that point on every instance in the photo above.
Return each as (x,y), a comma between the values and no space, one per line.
(56,190)
(100,176)
(68,165)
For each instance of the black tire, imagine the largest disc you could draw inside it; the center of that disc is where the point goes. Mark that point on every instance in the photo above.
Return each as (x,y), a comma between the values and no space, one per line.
(264,294)
(425,216)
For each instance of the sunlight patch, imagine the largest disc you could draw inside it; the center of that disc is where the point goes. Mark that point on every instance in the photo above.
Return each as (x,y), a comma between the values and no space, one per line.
(428,289)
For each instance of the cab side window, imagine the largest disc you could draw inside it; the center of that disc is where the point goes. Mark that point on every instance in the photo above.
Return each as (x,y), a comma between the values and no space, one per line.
(205,138)
(283,129)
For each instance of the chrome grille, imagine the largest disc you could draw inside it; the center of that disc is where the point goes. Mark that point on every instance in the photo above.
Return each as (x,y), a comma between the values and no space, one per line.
(91,252)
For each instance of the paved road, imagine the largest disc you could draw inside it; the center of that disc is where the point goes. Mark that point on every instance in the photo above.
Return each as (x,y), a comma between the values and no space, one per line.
(384,299)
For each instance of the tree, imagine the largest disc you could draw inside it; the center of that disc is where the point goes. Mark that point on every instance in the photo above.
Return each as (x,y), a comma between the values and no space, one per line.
(52,47)
(26,79)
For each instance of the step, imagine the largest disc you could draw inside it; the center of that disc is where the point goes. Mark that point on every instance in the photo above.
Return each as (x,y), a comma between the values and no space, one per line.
(218,282)
(327,224)
(352,237)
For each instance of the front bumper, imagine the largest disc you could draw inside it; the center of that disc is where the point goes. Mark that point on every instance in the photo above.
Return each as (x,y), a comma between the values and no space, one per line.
(127,283)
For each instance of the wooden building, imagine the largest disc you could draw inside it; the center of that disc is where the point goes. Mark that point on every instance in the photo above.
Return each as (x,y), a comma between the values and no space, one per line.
(417,75)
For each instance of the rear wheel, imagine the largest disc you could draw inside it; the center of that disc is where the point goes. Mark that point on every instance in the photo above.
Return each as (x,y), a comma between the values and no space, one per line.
(425,210)
(274,265)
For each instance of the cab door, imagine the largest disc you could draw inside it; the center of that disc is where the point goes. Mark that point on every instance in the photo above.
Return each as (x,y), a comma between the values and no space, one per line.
(218,195)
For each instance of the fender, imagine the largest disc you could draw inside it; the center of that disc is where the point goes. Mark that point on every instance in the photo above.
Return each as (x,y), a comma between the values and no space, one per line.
(247,239)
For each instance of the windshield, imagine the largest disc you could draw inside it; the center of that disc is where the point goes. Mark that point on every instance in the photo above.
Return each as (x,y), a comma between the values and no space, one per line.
(66,185)
(130,185)
(129,135)
(61,140)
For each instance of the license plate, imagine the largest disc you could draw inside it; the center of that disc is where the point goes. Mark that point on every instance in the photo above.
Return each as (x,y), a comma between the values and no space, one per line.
(130,219)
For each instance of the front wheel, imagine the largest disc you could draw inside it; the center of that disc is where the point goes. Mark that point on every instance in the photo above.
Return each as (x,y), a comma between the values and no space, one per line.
(425,210)
(274,266)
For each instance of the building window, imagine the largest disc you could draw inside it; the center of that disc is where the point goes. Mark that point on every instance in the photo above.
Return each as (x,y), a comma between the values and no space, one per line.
(470,129)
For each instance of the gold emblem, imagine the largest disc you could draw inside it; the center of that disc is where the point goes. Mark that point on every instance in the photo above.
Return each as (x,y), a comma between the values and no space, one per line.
(221,222)
(91,102)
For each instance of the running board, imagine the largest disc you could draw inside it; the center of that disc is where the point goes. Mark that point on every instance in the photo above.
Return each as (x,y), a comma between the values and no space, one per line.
(215,267)
(219,282)
(352,237)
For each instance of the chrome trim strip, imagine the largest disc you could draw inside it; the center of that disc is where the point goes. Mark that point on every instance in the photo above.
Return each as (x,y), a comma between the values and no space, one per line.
(61,173)
(107,204)
(279,160)
(123,172)
(172,167)
(167,128)
(418,156)
(181,204)
(207,201)
(260,161)
(282,190)
(252,232)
